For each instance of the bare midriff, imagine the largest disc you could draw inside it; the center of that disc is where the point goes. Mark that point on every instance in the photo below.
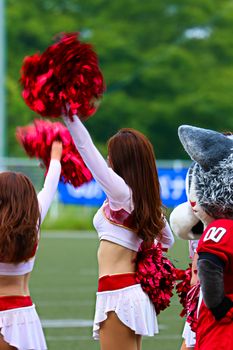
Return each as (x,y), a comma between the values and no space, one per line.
(113,259)
(14,285)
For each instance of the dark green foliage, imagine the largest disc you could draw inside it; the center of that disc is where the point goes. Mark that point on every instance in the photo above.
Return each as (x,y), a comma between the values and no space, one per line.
(165,63)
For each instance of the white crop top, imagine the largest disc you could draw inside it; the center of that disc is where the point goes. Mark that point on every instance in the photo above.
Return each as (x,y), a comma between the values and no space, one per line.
(123,236)
(117,191)
(45,198)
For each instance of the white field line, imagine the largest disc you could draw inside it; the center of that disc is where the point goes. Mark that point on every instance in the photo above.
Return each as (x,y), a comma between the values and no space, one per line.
(66,323)
(85,338)
(76,323)
(79,323)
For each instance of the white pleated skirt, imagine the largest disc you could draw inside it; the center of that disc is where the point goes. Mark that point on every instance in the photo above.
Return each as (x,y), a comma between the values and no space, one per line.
(22,329)
(132,306)
(189,336)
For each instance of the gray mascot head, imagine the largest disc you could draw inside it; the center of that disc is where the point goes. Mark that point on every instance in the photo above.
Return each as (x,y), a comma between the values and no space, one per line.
(211,191)
(209,181)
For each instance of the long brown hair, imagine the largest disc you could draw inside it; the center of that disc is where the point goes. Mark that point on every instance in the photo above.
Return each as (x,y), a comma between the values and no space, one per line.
(132,157)
(19,218)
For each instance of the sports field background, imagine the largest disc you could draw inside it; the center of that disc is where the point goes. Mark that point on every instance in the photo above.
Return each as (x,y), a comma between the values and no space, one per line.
(63,287)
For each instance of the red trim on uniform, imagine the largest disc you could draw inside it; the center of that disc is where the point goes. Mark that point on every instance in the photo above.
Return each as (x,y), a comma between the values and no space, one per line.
(14,302)
(117,281)
(119,217)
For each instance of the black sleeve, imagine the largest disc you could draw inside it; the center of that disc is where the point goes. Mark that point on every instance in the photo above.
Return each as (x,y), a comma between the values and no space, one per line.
(211,276)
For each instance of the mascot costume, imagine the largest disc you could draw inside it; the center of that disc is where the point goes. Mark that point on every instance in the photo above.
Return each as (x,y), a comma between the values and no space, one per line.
(211,200)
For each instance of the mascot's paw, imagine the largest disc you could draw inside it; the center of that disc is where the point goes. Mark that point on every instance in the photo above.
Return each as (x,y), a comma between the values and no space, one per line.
(183,222)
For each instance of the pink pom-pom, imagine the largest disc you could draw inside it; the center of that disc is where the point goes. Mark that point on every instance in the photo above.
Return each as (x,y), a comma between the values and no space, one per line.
(37,140)
(156,274)
(65,78)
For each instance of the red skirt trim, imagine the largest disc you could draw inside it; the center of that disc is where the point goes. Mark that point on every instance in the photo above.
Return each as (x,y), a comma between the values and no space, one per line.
(117,281)
(14,302)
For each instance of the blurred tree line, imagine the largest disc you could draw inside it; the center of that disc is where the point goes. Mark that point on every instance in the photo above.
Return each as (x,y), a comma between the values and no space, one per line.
(165,63)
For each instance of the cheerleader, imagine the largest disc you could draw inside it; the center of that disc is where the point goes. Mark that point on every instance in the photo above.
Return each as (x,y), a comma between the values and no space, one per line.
(21,214)
(131,215)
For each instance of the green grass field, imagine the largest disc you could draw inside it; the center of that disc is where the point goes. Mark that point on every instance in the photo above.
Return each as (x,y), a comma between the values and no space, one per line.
(63,287)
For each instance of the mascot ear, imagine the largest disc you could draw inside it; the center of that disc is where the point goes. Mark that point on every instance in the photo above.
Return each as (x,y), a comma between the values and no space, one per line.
(206,147)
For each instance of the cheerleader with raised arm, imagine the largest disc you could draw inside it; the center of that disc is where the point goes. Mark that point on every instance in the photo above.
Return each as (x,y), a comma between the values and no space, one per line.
(66,79)
(21,214)
(132,214)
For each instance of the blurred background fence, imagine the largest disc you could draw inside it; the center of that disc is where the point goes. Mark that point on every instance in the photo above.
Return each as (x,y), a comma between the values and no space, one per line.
(29,167)
(171,176)
(73,208)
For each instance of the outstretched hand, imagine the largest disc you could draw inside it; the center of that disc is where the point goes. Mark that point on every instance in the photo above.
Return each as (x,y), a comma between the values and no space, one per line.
(56,150)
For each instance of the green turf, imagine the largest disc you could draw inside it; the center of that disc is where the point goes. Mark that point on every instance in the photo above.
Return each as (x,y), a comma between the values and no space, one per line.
(63,287)
(69,217)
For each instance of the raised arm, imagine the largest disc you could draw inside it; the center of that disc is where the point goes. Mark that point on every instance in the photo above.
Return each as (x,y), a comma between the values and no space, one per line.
(46,195)
(117,191)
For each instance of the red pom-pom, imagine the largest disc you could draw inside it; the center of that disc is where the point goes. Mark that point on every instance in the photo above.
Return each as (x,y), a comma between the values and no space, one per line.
(183,287)
(37,140)
(188,295)
(192,306)
(63,79)
(156,275)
